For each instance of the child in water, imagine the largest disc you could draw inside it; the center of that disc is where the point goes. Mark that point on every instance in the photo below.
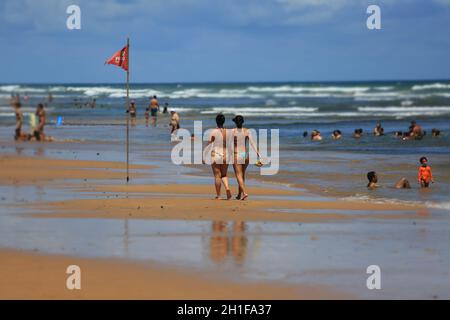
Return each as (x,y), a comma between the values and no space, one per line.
(425,176)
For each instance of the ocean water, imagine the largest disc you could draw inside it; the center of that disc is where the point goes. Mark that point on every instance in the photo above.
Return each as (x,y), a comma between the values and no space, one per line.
(291,107)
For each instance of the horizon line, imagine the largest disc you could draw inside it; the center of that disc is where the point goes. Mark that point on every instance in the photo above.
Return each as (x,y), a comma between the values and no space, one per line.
(233,82)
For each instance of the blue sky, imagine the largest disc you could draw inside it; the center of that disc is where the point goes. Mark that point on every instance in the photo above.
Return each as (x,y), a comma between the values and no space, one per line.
(225,40)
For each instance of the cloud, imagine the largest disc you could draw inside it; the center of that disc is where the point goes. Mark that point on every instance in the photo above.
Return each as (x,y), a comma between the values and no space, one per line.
(102,17)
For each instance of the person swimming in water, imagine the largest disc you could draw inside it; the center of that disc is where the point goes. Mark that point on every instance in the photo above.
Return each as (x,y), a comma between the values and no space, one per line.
(316,136)
(358,133)
(336,135)
(372,176)
(373,180)
(415,131)
(424,176)
(435,132)
(378,130)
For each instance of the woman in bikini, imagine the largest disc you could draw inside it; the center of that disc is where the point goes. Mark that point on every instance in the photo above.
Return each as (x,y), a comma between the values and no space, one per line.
(219,156)
(242,138)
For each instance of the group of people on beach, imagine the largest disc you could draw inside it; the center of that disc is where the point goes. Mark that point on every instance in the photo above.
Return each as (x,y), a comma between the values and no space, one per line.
(241,139)
(424,177)
(37,133)
(414,132)
(152,112)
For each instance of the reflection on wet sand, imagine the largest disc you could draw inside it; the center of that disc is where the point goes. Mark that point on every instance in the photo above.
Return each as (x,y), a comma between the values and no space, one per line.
(228,239)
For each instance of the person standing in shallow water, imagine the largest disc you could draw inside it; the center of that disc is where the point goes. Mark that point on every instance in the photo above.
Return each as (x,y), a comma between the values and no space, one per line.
(19,120)
(132,111)
(242,138)
(219,165)
(39,130)
(424,176)
(154,108)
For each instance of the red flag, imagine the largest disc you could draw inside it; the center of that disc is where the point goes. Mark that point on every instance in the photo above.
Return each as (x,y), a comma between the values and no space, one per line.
(120,59)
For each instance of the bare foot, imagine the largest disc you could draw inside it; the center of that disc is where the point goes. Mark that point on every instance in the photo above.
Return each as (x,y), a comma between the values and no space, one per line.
(228,194)
(245,196)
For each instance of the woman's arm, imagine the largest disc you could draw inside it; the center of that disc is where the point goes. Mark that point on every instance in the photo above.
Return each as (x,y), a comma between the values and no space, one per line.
(252,142)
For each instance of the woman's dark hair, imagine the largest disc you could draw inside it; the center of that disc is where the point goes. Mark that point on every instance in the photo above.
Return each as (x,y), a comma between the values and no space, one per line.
(422,159)
(239,120)
(371,175)
(336,132)
(220,120)
(40,106)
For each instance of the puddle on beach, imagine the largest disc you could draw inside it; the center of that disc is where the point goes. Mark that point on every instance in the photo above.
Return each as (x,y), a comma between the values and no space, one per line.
(413,262)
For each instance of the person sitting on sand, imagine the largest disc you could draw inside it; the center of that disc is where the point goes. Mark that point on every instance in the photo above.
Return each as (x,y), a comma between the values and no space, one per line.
(358,133)
(242,138)
(372,176)
(378,130)
(424,176)
(435,132)
(219,164)
(337,134)
(315,135)
(38,132)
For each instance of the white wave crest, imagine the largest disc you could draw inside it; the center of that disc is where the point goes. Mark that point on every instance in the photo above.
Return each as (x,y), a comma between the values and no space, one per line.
(437,85)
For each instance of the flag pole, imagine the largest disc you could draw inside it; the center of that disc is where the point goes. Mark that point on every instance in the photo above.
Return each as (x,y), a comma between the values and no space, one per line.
(128,111)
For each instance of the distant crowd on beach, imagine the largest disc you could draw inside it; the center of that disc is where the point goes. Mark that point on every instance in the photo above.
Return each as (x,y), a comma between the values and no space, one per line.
(152,112)
(37,129)
(414,132)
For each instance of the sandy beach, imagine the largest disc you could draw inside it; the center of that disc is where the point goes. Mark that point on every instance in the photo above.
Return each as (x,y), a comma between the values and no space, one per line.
(96,192)
(29,275)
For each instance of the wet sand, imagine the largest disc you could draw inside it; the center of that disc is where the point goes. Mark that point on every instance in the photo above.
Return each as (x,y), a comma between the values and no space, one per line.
(154,206)
(25,275)
(31,275)
(29,170)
